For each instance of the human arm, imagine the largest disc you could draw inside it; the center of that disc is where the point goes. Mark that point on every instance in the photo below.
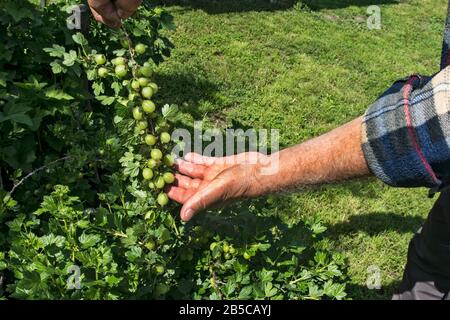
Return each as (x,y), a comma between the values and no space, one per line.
(205,181)
(403,139)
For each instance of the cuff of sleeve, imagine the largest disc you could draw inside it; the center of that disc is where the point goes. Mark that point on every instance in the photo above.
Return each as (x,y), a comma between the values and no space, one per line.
(389,140)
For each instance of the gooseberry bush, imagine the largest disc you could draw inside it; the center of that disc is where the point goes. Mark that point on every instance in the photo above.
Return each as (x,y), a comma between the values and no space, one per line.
(85,155)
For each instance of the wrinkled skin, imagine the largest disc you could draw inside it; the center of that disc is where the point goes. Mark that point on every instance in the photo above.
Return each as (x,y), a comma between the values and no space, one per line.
(111,13)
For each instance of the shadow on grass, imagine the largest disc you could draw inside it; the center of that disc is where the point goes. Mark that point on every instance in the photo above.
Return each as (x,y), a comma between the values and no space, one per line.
(375,223)
(245,220)
(181,88)
(360,292)
(336,4)
(228,6)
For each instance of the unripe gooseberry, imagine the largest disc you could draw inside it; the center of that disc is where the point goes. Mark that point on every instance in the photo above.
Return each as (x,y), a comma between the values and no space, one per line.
(147,92)
(168,177)
(150,139)
(102,72)
(156,154)
(147,173)
(121,71)
(148,106)
(162,199)
(165,137)
(137,114)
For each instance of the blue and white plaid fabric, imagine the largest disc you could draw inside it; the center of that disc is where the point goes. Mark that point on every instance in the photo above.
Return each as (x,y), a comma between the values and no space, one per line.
(406,132)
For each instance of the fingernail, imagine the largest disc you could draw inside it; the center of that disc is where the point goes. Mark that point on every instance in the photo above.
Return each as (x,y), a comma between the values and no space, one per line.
(188,214)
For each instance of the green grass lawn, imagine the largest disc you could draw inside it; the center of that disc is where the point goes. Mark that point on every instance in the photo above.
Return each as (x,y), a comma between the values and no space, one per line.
(306,69)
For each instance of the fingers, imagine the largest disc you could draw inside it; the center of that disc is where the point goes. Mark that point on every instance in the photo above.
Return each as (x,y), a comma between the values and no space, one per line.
(183,188)
(186,182)
(202,200)
(125,8)
(190,169)
(104,11)
(178,194)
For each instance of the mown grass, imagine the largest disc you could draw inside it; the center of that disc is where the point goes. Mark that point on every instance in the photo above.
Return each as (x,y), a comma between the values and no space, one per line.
(304,69)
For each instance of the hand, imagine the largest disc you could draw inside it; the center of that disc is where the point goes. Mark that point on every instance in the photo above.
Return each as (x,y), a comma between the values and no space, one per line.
(111,13)
(205,181)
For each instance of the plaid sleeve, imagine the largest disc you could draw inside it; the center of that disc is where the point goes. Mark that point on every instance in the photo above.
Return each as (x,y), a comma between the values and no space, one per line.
(406,132)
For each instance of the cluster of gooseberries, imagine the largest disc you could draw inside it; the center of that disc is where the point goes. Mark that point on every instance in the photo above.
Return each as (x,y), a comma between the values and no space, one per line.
(227,250)
(149,123)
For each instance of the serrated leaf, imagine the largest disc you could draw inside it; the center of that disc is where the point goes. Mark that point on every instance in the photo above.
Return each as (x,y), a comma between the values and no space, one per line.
(98,88)
(245,293)
(70,58)
(108,101)
(91,74)
(169,111)
(269,290)
(88,240)
(79,39)
(51,239)
(55,51)
(57,94)
(134,253)
(116,87)
(57,67)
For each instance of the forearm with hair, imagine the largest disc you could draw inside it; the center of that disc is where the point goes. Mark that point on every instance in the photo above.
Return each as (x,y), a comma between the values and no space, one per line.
(332,157)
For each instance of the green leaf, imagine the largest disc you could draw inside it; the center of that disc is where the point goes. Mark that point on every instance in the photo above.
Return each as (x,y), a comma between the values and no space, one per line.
(116,87)
(134,253)
(98,88)
(88,240)
(57,94)
(55,51)
(169,111)
(79,39)
(16,112)
(57,67)
(70,58)
(91,74)
(270,290)
(22,118)
(334,290)
(105,100)
(51,239)
(245,293)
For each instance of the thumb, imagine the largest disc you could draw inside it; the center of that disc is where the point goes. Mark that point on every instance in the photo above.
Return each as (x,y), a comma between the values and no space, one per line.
(204,198)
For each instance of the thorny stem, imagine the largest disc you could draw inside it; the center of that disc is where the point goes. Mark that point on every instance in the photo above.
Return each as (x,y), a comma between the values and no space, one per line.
(36,171)
(214,283)
(130,49)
